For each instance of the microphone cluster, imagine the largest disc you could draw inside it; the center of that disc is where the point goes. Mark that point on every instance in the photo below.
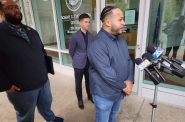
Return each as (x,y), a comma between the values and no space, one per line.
(154,62)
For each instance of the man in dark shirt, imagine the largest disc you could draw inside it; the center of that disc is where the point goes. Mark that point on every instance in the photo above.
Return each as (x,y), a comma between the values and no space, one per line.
(23,72)
(111,69)
(78,44)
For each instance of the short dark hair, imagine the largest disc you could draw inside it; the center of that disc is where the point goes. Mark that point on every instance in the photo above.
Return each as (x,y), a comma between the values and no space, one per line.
(82,16)
(106,11)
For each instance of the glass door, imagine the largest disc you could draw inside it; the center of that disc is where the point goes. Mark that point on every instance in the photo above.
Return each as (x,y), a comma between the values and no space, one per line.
(68,12)
(130,10)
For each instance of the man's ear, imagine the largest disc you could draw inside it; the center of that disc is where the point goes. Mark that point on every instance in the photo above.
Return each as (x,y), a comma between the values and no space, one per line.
(107,22)
(80,23)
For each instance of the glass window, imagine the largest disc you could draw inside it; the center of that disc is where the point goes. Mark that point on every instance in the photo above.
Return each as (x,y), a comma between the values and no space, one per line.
(166,30)
(66,59)
(54,55)
(44,21)
(68,12)
(130,9)
(26,10)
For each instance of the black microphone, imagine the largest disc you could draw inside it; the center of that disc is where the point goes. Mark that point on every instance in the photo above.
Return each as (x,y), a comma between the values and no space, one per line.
(178,70)
(176,60)
(157,55)
(160,60)
(152,76)
(148,56)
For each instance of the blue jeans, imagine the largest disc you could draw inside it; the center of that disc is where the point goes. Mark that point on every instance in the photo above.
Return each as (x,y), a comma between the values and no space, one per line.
(106,110)
(26,102)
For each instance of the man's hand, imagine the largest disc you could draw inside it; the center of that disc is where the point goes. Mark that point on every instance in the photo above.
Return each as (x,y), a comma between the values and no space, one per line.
(14,89)
(128,89)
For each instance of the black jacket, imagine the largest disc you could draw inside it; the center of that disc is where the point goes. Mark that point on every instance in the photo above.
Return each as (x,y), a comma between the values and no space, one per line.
(21,63)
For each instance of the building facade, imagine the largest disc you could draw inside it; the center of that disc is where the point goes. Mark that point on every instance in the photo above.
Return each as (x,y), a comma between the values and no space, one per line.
(146,20)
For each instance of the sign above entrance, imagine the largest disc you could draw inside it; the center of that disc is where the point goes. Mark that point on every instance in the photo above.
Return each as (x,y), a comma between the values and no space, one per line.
(73,5)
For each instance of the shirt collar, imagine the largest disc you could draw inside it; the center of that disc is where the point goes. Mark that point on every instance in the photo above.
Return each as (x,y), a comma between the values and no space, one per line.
(112,37)
(83,32)
(13,26)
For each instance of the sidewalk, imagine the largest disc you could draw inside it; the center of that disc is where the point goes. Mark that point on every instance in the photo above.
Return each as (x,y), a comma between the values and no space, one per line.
(134,108)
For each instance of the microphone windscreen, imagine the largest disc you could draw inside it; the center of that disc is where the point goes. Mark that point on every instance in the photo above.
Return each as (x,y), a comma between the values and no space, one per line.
(151,49)
(138,61)
(147,56)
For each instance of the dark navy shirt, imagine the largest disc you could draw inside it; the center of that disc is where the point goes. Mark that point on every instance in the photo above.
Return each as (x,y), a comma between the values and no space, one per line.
(110,66)
(85,35)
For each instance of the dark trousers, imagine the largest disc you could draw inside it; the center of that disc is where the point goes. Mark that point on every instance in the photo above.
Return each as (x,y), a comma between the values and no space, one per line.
(175,49)
(78,81)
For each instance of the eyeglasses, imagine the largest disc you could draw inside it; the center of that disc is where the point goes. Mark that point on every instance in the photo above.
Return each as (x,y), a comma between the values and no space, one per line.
(11,7)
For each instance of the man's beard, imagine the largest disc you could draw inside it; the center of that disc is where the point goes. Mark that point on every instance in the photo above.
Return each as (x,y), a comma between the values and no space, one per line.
(116,31)
(13,19)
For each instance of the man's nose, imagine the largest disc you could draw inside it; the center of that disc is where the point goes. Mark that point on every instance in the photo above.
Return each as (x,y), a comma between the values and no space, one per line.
(123,22)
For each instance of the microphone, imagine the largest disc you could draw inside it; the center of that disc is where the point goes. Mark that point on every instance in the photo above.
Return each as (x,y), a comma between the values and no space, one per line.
(180,62)
(152,75)
(176,60)
(178,70)
(148,56)
(157,55)
(143,63)
(156,52)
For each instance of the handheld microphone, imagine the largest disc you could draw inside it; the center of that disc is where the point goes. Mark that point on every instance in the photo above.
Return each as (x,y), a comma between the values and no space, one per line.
(152,76)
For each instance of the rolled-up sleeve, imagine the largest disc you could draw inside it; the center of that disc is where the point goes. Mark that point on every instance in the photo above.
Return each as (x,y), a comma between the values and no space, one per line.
(99,59)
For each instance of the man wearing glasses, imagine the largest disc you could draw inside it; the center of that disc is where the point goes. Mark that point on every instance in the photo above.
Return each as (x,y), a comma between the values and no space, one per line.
(23,72)
(111,70)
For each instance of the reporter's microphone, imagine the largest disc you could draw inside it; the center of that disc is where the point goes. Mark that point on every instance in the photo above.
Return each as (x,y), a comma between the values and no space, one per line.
(152,76)
(156,52)
(148,56)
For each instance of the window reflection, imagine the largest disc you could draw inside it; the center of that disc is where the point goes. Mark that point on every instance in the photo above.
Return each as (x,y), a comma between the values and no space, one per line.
(166,30)
(44,20)
(67,13)
(130,34)
(54,55)
(66,59)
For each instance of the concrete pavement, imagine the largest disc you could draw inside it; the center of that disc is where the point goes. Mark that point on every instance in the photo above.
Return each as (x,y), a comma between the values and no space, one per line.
(134,108)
